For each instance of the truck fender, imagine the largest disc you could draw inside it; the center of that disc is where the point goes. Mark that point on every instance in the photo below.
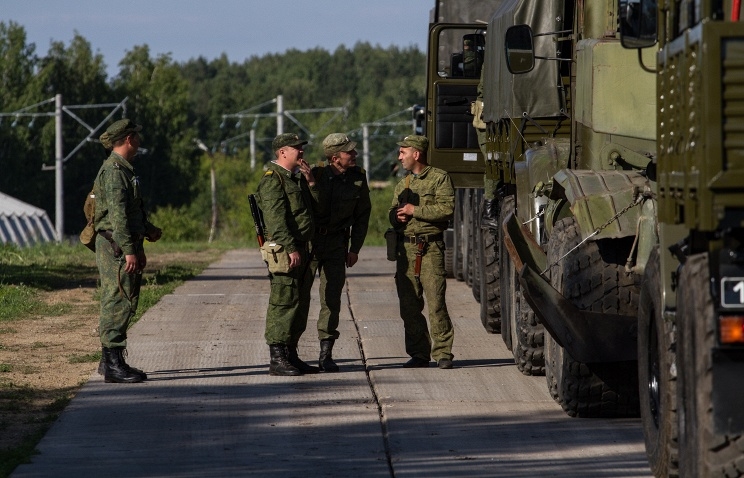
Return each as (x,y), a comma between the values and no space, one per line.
(534,173)
(595,197)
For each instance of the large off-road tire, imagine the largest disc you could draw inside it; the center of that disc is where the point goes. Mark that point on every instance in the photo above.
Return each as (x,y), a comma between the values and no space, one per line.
(490,305)
(476,273)
(529,339)
(458,236)
(593,278)
(506,278)
(703,453)
(657,383)
(467,240)
(553,366)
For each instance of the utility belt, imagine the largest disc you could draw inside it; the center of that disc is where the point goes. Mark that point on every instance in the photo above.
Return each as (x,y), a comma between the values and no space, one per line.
(421,241)
(421,238)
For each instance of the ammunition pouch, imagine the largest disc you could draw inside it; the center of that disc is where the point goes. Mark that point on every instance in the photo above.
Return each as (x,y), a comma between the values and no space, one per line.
(88,236)
(276,257)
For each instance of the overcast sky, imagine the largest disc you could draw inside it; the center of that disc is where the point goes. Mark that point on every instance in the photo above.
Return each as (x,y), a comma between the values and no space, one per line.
(240,28)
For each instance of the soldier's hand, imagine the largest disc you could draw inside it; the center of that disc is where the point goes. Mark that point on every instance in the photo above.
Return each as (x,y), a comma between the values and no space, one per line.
(305,170)
(131,265)
(294,259)
(351,259)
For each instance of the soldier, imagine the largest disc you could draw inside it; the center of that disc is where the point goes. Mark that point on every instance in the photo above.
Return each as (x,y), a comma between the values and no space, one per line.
(122,225)
(342,208)
(423,204)
(285,200)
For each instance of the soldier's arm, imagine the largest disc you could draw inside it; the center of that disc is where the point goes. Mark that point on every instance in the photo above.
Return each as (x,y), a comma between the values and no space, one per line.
(362,211)
(275,208)
(116,190)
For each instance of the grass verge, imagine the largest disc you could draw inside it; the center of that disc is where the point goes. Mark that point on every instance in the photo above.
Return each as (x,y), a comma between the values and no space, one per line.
(41,309)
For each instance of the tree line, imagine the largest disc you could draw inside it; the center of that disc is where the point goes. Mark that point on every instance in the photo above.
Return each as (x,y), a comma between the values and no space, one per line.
(179,102)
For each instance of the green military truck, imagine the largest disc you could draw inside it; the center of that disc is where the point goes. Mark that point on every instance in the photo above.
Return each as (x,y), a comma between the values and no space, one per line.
(606,185)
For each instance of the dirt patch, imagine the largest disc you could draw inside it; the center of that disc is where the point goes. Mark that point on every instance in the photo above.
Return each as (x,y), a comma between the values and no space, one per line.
(44,361)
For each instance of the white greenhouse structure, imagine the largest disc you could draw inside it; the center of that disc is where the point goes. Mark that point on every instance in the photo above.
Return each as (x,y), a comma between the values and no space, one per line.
(23,224)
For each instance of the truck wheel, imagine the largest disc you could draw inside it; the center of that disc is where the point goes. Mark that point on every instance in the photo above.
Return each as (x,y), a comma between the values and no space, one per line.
(703,453)
(467,241)
(593,278)
(658,386)
(553,372)
(528,342)
(476,271)
(490,306)
(506,279)
(459,236)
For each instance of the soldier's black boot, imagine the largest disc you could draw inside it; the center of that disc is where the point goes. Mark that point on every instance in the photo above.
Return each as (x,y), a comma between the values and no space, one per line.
(102,367)
(295,360)
(116,369)
(279,364)
(325,361)
(490,216)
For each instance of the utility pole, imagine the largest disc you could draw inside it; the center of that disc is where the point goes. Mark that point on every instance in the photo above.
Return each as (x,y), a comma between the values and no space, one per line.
(59,157)
(280,114)
(59,221)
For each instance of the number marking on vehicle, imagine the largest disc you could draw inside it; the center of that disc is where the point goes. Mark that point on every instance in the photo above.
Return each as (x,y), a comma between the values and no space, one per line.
(732,291)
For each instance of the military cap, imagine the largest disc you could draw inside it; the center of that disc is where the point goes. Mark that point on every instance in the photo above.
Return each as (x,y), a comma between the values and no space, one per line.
(337,142)
(286,139)
(118,130)
(415,141)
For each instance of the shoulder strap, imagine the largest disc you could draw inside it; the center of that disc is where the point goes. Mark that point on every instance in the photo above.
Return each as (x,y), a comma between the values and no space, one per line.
(408,188)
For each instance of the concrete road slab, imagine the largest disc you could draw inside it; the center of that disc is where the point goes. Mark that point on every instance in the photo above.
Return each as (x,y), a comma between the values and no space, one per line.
(209,407)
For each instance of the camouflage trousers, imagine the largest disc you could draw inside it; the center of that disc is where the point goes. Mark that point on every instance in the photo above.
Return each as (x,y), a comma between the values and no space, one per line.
(289,304)
(330,259)
(119,295)
(433,284)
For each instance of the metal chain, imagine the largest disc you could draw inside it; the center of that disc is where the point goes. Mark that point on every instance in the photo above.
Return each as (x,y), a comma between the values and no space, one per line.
(638,199)
(535,217)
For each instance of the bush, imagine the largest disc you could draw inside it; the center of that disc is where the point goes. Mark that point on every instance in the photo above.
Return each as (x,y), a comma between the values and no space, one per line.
(179,224)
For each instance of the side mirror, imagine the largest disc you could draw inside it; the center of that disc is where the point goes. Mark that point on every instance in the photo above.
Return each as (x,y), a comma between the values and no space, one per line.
(638,27)
(520,51)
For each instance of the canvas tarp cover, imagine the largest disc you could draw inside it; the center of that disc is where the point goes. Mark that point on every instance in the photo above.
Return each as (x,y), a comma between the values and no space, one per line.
(535,93)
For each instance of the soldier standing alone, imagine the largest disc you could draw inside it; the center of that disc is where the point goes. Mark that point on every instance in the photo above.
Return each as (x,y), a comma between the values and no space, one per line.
(122,225)
(423,204)
(285,200)
(342,208)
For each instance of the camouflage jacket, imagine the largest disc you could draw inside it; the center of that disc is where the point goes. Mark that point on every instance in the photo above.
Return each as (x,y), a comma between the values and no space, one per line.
(286,202)
(433,196)
(342,201)
(119,205)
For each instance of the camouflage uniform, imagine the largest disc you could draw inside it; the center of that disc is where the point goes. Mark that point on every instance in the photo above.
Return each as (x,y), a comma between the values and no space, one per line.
(341,203)
(285,201)
(120,210)
(432,193)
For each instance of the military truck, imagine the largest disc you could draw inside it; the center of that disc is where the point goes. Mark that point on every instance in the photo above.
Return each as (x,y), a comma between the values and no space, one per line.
(454,101)
(615,180)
